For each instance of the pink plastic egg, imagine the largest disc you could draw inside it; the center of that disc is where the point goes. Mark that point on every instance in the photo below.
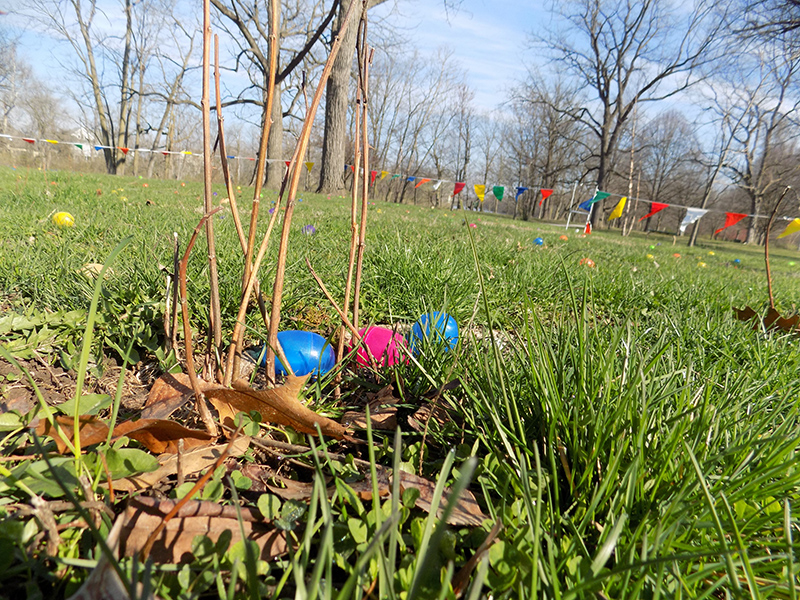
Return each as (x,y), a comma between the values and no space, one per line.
(383,344)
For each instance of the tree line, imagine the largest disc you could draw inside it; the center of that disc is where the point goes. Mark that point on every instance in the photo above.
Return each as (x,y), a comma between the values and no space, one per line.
(660,101)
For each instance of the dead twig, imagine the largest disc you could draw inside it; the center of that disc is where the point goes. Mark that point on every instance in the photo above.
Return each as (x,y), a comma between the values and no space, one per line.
(766,246)
(202,407)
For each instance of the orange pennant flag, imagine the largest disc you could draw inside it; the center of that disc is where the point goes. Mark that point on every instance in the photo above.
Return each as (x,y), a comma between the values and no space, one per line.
(421,181)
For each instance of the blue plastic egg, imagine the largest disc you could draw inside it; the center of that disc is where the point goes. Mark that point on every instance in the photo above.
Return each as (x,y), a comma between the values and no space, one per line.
(444,329)
(539,241)
(736,261)
(306,351)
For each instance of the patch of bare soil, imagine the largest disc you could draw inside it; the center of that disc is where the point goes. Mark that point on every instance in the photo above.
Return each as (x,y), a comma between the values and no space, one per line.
(57,385)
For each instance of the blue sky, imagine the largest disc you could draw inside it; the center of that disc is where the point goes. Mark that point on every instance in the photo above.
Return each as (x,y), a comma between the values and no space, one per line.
(489,38)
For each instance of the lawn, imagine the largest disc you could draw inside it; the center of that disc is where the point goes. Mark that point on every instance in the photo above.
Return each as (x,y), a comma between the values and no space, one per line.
(616,431)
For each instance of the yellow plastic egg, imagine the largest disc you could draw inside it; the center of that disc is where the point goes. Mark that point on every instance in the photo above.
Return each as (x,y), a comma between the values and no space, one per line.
(64,219)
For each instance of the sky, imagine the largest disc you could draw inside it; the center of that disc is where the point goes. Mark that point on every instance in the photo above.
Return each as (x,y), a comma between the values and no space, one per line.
(489,38)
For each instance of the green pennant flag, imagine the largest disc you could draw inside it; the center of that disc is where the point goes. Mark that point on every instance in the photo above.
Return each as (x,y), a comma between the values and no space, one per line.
(395,176)
(498,191)
(79,146)
(599,196)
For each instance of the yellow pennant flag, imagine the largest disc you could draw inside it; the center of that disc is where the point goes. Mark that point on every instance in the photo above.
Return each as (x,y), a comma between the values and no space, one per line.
(52,141)
(309,166)
(791,228)
(384,174)
(617,212)
(480,191)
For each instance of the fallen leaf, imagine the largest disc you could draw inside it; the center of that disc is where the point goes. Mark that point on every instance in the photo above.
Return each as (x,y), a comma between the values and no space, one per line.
(772,320)
(103,582)
(167,395)
(159,435)
(277,405)
(92,430)
(292,490)
(192,462)
(174,545)
(465,512)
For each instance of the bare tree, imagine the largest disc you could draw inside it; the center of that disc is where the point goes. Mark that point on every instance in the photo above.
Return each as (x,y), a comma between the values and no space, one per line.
(14,71)
(625,53)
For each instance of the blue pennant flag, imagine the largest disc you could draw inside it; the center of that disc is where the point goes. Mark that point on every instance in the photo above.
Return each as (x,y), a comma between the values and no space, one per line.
(411,179)
(520,191)
(587,206)
(98,147)
(231,156)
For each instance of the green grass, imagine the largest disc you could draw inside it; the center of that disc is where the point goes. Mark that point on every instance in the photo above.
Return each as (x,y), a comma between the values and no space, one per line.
(633,437)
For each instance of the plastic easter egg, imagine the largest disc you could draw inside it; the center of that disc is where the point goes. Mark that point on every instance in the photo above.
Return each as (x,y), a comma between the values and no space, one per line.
(444,329)
(309,229)
(306,351)
(677,255)
(791,263)
(736,261)
(586,262)
(711,253)
(64,219)
(563,238)
(381,343)
(650,257)
(652,247)
(538,241)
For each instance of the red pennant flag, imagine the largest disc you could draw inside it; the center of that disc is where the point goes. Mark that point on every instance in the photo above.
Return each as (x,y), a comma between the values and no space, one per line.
(288,163)
(588,229)
(29,140)
(165,153)
(545,195)
(458,187)
(124,150)
(421,181)
(353,168)
(730,219)
(372,176)
(654,208)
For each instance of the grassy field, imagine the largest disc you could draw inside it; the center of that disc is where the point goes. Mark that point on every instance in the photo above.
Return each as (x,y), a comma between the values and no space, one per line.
(632,438)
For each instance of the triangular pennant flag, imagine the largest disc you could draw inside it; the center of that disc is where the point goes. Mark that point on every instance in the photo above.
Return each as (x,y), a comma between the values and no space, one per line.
(395,176)
(288,163)
(458,187)
(588,229)
(372,176)
(791,228)
(498,192)
(692,215)
(412,178)
(52,141)
(384,174)
(251,158)
(29,140)
(421,182)
(309,166)
(730,219)
(353,168)
(186,152)
(346,167)
(437,184)
(617,212)
(520,190)
(654,208)
(545,195)
(598,196)
(230,156)
(587,205)
(480,191)
(98,148)
(164,152)
(79,146)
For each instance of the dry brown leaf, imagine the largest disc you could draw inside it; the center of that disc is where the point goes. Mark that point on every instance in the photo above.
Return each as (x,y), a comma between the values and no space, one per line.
(92,430)
(772,320)
(465,512)
(277,405)
(192,462)
(292,490)
(174,545)
(103,582)
(383,418)
(159,435)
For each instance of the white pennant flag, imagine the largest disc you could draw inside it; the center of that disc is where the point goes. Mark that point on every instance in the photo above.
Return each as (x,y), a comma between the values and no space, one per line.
(692,215)
(437,184)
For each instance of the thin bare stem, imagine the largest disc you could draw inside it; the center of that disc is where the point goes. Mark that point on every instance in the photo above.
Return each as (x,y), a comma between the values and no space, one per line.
(294,175)
(215,313)
(223,153)
(364,60)
(766,246)
(200,401)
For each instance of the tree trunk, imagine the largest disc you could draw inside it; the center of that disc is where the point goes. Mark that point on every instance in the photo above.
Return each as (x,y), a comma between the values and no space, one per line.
(334,143)
(276,168)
